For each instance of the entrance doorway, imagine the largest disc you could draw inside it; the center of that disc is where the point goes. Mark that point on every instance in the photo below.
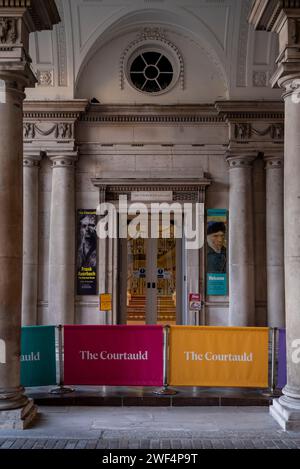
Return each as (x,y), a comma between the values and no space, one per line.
(152,280)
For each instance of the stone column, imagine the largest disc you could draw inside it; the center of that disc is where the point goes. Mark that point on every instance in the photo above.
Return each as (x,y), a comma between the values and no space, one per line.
(241,251)
(62,240)
(30,239)
(11,202)
(286,410)
(284,19)
(275,240)
(17,20)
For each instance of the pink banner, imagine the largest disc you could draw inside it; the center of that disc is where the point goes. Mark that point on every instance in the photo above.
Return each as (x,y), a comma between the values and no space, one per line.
(113,355)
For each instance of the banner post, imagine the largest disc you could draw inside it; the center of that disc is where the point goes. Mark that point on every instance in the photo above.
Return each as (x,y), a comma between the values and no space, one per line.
(272,384)
(273,359)
(166,391)
(61,389)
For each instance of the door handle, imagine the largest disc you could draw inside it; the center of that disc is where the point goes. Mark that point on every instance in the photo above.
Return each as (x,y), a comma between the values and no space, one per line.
(153,285)
(148,285)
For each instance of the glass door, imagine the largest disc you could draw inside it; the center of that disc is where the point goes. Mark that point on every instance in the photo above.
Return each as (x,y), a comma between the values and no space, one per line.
(151,280)
(166,273)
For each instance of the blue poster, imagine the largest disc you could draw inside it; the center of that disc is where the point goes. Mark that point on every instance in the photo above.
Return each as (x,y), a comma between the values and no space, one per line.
(216,248)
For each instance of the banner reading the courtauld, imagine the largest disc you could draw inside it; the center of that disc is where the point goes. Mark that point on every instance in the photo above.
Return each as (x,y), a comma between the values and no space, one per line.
(216,265)
(86,252)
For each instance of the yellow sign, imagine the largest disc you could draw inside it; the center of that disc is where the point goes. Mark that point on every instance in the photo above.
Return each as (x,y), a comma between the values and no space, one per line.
(105,302)
(218,356)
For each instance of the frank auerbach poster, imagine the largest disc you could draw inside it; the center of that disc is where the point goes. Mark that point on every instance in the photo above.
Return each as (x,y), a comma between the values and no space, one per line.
(86,252)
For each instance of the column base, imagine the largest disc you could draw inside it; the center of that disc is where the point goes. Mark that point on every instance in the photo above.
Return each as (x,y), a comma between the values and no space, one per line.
(287,417)
(18,419)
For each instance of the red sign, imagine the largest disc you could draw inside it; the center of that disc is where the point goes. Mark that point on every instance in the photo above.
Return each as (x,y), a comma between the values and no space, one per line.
(113,355)
(195,301)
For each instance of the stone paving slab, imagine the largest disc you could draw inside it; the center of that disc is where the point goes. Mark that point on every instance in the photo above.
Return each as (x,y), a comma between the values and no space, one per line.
(167,445)
(151,428)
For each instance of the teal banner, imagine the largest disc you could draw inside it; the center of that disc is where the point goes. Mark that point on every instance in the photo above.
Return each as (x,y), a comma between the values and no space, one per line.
(216,248)
(217,284)
(38,359)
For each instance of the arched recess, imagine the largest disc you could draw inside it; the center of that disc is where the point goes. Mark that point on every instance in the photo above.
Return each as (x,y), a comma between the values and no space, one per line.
(188,25)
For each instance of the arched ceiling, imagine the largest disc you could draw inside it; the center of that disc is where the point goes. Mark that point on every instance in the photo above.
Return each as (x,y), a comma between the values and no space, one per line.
(217,44)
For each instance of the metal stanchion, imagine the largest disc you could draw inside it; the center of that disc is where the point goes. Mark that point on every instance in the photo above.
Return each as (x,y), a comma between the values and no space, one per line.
(166,391)
(272,386)
(61,389)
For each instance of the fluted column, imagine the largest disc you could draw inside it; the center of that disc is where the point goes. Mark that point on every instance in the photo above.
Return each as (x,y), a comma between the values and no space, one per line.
(241,251)
(62,240)
(30,239)
(275,240)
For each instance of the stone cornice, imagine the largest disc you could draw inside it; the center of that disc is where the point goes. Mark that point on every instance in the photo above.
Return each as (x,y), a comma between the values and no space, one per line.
(235,111)
(40,15)
(183,190)
(44,13)
(54,110)
(264,13)
(151,185)
(152,114)
(220,112)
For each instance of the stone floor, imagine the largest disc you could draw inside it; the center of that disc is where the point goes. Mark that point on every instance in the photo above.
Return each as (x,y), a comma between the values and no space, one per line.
(151,427)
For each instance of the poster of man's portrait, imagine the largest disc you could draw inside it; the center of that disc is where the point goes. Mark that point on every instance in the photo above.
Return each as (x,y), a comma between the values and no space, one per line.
(86,252)
(216,248)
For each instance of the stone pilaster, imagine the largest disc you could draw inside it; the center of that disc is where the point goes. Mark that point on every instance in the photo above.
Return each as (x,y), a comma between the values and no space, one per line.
(30,239)
(62,240)
(241,251)
(284,18)
(17,20)
(275,239)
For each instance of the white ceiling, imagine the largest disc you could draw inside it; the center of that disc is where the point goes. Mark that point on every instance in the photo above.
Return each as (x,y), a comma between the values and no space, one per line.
(224,58)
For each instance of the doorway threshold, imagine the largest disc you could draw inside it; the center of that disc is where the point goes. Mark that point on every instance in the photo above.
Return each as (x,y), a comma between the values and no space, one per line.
(115,396)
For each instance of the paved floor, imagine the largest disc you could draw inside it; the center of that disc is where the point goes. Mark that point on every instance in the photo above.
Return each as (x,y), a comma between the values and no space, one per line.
(148,427)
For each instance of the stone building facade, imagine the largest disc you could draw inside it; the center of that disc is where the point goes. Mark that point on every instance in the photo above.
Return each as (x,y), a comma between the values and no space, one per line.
(160,101)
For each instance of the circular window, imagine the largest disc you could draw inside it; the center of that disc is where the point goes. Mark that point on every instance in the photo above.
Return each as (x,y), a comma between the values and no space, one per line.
(151,72)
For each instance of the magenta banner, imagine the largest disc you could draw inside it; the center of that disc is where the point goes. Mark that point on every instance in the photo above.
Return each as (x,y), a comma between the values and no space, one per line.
(113,355)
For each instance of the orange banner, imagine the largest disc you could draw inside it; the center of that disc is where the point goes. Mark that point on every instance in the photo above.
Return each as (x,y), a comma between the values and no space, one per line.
(218,356)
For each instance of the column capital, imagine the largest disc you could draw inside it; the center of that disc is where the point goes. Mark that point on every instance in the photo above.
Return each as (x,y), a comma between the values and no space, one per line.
(65,160)
(273,160)
(238,160)
(31,160)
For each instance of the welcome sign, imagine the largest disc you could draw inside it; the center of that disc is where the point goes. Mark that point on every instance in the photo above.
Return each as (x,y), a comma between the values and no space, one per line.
(38,360)
(113,355)
(218,356)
